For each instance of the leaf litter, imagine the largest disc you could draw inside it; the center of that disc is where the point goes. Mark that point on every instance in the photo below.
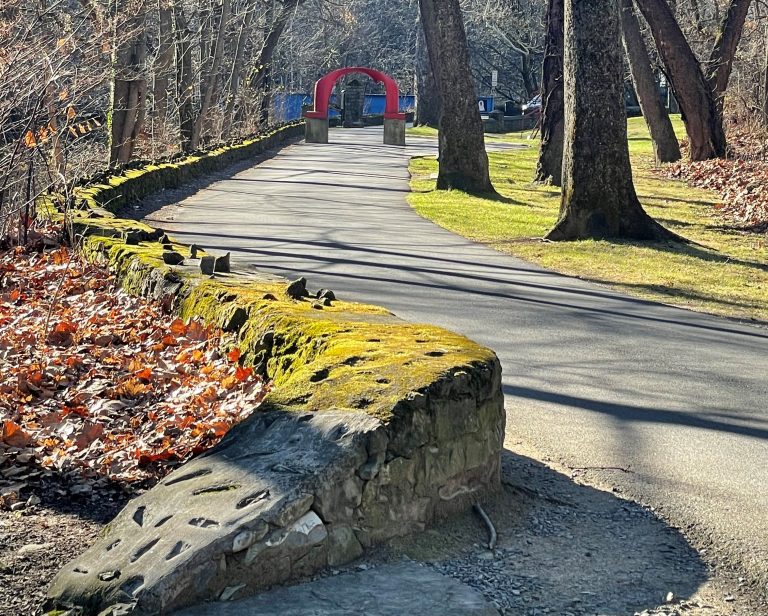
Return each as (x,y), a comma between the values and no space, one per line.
(99,389)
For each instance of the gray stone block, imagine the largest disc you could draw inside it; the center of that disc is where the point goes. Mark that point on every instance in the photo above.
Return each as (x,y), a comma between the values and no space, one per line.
(394,132)
(316,130)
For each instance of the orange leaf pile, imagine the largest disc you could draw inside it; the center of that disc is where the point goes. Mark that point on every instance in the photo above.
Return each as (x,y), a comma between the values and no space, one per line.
(106,386)
(741,180)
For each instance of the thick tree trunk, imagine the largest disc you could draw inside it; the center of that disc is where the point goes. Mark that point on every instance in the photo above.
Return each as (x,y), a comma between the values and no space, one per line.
(463,162)
(665,144)
(599,199)
(724,50)
(550,165)
(703,121)
(184,79)
(427,94)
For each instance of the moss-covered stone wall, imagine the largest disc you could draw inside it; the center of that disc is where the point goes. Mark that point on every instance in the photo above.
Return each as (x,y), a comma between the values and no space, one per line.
(374,428)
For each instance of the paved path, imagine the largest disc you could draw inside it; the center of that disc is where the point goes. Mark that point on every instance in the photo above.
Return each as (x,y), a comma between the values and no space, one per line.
(592,378)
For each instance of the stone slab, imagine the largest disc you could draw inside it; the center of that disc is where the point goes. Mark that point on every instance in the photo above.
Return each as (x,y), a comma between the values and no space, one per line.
(391,590)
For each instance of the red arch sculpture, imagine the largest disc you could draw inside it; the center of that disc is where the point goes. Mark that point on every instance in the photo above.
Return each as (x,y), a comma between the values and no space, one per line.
(324,87)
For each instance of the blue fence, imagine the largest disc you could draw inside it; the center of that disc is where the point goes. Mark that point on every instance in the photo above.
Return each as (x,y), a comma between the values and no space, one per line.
(287,107)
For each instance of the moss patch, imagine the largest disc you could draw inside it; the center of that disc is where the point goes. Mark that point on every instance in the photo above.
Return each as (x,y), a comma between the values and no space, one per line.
(727,274)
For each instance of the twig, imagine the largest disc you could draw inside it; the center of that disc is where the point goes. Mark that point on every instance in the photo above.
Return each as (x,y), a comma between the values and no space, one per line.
(491,530)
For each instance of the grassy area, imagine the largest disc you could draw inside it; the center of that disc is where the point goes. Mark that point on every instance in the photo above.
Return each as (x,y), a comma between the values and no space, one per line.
(725,274)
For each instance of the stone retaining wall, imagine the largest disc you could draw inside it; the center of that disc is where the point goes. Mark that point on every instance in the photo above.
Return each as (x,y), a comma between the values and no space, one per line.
(375,427)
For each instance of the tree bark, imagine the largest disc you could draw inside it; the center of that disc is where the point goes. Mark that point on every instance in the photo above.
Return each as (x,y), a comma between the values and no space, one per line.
(703,121)
(211,76)
(427,94)
(724,50)
(463,162)
(665,144)
(599,199)
(236,76)
(550,165)
(128,87)
(184,78)
(263,81)
(164,60)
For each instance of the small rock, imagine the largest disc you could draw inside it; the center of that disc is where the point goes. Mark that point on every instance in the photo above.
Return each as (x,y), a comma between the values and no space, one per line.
(326,293)
(268,296)
(172,258)
(222,264)
(207,265)
(193,251)
(33,500)
(106,576)
(317,306)
(327,301)
(18,506)
(165,240)
(132,238)
(230,592)
(297,289)
(669,598)
(33,548)
(81,488)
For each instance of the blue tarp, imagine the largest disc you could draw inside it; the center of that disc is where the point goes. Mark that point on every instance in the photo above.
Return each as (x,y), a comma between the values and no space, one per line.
(288,106)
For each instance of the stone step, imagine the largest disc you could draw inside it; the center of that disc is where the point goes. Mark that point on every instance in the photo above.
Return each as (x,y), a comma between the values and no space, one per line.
(390,590)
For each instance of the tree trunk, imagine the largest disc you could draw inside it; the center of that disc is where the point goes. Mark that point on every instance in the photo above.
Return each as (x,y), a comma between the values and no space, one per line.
(529,81)
(236,76)
(724,50)
(184,78)
(427,94)
(211,76)
(665,143)
(164,61)
(128,88)
(263,81)
(599,199)
(703,122)
(550,165)
(463,162)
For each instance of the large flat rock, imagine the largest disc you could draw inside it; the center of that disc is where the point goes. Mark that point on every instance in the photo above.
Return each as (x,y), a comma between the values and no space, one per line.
(391,590)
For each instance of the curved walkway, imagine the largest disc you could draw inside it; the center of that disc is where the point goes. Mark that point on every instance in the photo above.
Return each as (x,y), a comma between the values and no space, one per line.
(594,380)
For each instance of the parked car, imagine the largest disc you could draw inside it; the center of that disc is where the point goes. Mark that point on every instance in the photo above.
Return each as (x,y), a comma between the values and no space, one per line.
(533,106)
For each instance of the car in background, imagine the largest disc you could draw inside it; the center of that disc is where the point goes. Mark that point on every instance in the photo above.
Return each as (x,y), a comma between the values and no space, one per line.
(533,106)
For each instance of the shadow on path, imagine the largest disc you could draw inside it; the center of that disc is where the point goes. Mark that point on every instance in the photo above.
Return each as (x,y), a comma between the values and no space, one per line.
(563,548)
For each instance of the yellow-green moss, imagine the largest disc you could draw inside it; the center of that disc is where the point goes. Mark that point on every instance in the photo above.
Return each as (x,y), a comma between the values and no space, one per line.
(345,356)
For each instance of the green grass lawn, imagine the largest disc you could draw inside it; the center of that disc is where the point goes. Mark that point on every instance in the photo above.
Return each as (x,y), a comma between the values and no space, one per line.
(725,273)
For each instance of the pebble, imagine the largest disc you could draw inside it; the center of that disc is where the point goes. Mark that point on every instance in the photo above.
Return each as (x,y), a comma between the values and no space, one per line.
(32,548)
